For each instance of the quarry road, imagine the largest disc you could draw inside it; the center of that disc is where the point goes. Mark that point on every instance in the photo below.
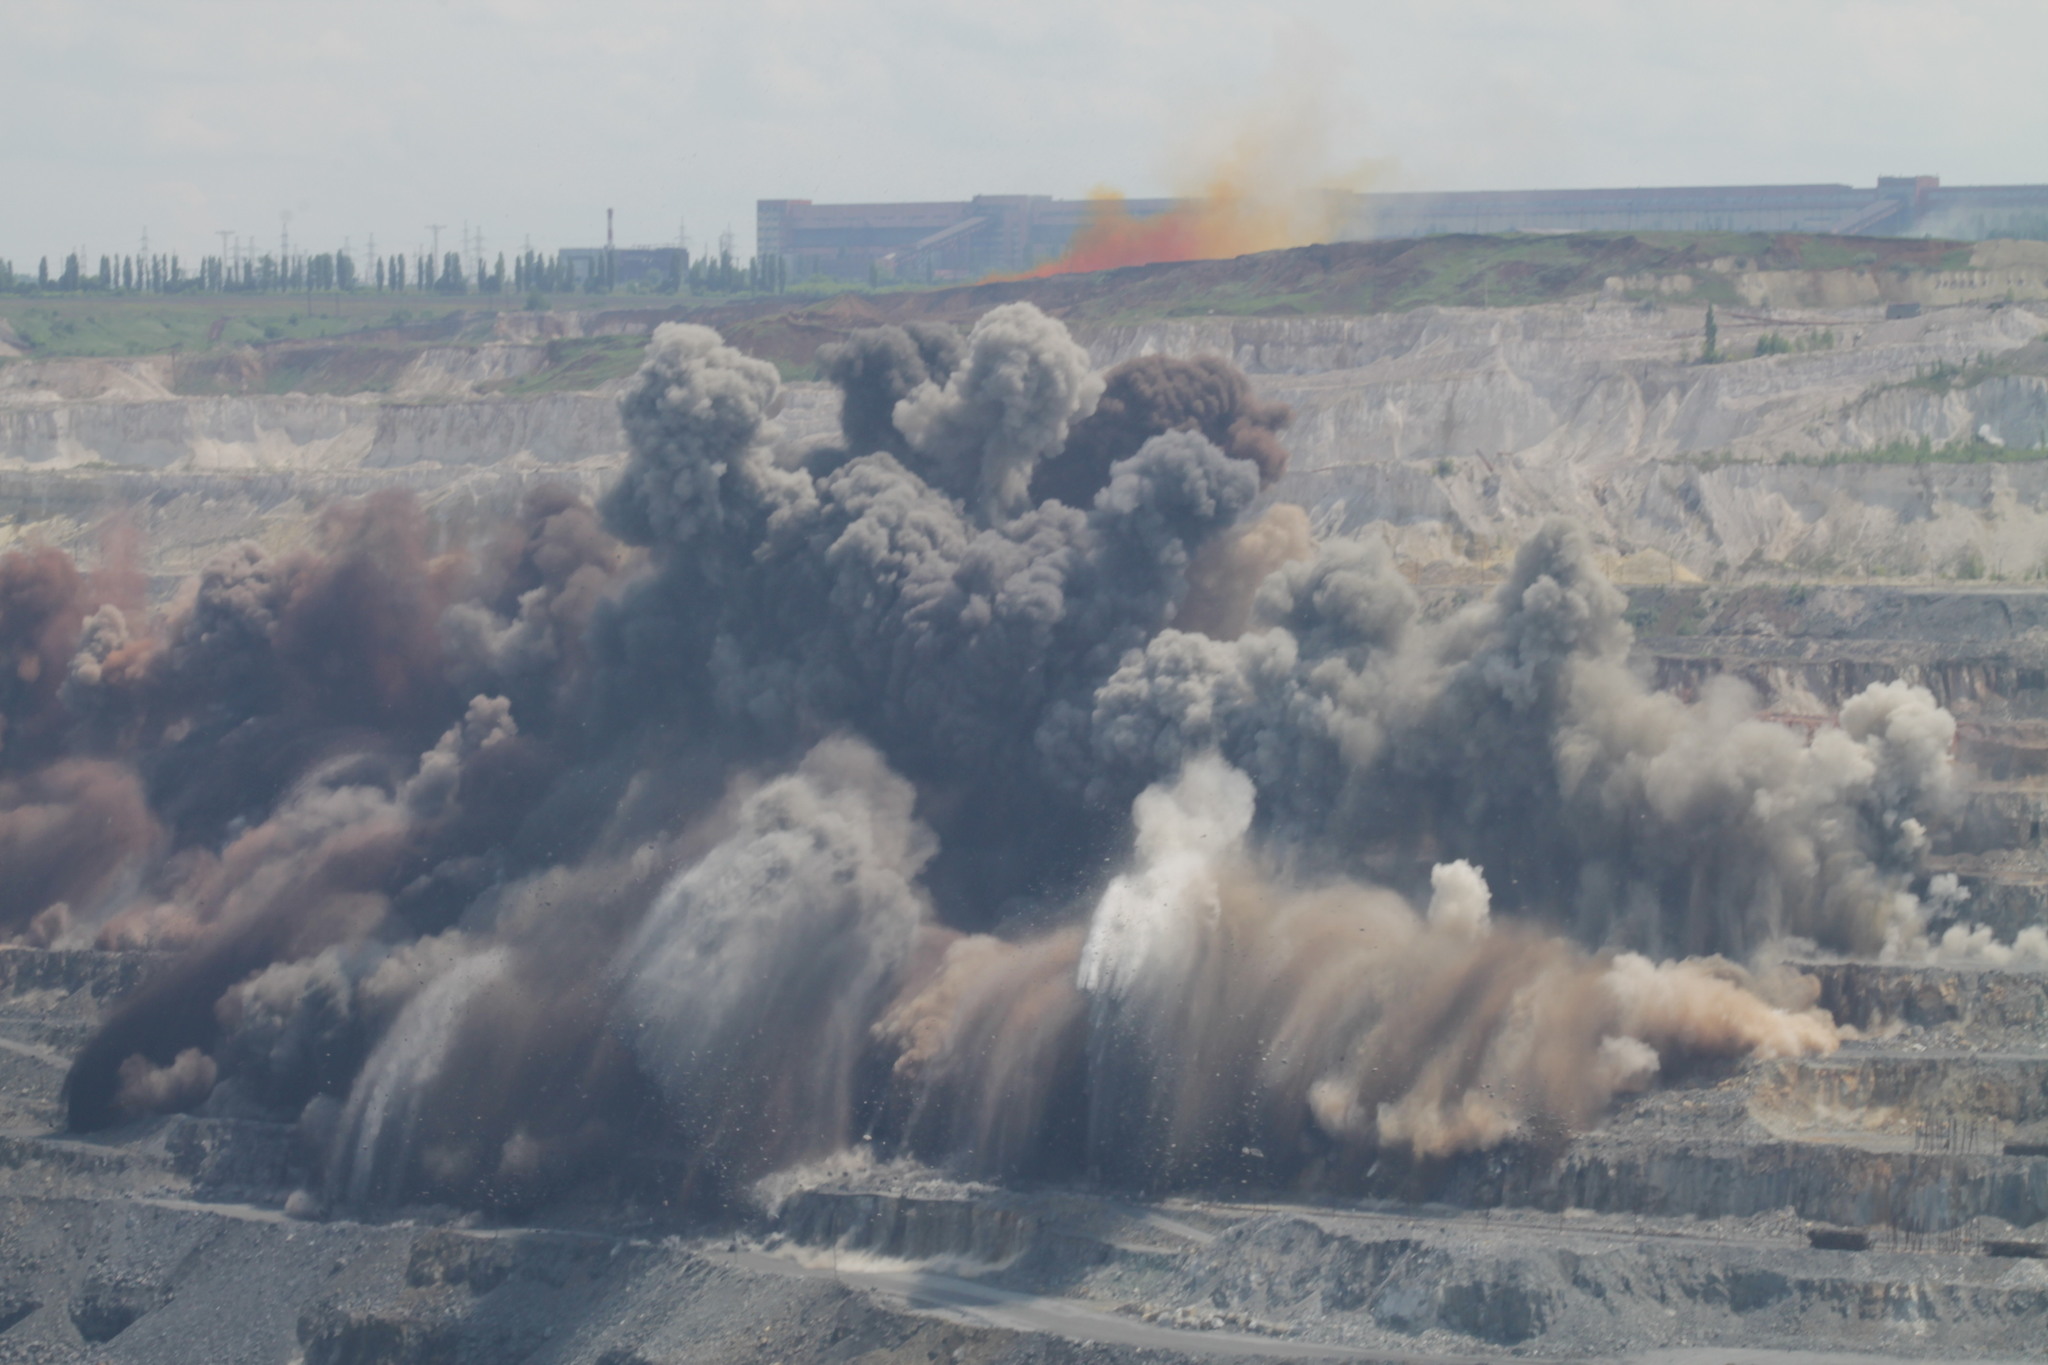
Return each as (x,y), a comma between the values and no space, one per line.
(40,1053)
(1724,1355)
(244,1213)
(1576,1224)
(965,1301)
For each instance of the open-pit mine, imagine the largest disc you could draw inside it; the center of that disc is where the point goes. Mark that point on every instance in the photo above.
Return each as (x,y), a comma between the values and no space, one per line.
(1078,820)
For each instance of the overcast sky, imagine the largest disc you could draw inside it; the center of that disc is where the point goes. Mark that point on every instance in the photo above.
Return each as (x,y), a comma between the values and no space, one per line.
(529,117)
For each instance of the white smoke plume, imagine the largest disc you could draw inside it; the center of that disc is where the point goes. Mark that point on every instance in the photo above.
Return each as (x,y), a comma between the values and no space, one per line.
(1223,1000)
(377,1146)
(748,991)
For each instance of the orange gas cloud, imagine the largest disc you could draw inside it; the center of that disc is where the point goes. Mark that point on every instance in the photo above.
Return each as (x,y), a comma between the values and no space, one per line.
(1225,223)
(1266,184)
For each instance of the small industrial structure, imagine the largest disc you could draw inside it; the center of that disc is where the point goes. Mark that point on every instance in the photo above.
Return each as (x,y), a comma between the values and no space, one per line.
(996,233)
(988,234)
(626,267)
(614,267)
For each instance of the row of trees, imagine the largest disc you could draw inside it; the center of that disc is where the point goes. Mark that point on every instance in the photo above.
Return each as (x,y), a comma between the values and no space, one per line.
(670,271)
(723,275)
(116,274)
(531,272)
(320,272)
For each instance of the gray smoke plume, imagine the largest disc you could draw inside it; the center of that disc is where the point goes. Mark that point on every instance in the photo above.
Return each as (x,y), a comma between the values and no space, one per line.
(877,368)
(1224,577)
(321,872)
(1517,736)
(1017,392)
(776,803)
(1152,395)
(1216,1024)
(695,421)
(864,596)
(524,633)
(748,991)
(71,834)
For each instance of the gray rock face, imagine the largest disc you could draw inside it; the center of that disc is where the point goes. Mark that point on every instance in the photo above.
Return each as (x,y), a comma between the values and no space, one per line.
(1687,1220)
(1451,432)
(1701,1215)
(1445,427)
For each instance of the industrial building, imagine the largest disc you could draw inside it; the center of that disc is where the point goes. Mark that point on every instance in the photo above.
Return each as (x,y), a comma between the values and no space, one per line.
(988,234)
(1899,206)
(991,234)
(649,267)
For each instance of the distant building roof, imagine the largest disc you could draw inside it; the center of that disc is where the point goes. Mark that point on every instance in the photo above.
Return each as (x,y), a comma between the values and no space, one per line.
(998,233)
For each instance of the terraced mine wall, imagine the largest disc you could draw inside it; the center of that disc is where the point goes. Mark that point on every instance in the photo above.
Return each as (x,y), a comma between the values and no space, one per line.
(1886,1200)
(1451,431)
(310,433)
(1890,1199)
(184,518)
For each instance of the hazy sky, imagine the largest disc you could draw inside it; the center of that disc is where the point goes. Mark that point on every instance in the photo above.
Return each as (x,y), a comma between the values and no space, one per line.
(530,117)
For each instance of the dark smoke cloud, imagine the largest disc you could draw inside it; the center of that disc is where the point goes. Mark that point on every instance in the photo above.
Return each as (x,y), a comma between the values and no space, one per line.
(930,629)
(877,368)
(866,596)
(322,871)
(1017,392)
(345,634)
(692,419)
(357,632)
(262,727)
(70,834)
(997,789)
(40,612)
(270,664)
(1155,394)
(524,631)
(1516,735)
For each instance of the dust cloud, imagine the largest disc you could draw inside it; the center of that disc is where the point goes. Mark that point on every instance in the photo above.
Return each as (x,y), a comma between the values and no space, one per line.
(1011,783)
